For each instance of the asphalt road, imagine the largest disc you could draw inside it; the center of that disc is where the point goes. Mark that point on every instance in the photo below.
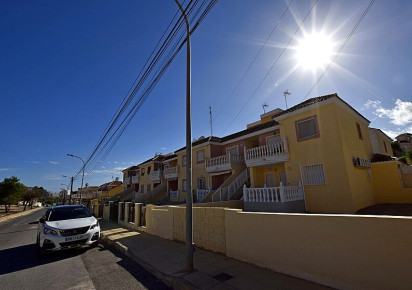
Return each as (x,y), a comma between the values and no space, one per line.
(97,268)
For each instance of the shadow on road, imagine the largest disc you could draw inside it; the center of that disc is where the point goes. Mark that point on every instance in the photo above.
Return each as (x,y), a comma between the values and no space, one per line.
(25,257)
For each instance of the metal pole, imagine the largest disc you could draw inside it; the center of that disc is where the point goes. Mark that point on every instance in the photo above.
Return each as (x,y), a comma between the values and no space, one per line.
(84,165)
(189,195)
(71,189)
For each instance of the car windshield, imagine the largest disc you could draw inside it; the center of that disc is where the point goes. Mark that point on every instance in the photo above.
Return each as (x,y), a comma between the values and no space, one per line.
(58,214)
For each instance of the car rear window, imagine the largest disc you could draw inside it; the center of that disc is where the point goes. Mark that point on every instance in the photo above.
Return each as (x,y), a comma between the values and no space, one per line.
(59,214)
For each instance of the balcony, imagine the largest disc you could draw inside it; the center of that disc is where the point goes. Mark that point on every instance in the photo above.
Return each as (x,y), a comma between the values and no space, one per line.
(155,176)
(223,162)
(267,154)
(172,172)
(135,179)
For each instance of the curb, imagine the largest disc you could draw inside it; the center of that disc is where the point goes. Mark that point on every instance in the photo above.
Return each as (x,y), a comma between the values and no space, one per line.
(174,282)
(9,217)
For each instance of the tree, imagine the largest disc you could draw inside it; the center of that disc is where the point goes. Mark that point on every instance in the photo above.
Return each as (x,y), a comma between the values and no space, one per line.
(31,194)
(396,148)
(11,192)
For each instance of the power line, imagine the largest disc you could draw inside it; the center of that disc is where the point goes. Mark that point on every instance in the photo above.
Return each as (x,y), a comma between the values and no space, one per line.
(253,60)
(112,135)
(341,48)
(273,65)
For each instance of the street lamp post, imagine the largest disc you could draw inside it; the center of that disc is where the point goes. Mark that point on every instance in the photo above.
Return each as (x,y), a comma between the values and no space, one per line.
(84,165)
(189,194)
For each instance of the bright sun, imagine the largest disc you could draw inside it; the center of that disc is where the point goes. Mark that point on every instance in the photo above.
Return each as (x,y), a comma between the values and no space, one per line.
(314,52)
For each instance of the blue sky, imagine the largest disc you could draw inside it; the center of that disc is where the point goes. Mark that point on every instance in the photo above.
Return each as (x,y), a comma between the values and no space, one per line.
(66,66)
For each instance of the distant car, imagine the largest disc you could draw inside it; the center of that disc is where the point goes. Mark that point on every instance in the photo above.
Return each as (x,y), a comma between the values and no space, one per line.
(65,227)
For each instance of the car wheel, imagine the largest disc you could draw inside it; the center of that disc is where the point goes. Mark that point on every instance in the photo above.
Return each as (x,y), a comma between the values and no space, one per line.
(95,244)
(40,251)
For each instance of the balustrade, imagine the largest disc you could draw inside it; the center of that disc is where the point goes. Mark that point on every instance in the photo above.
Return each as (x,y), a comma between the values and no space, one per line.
(273,194)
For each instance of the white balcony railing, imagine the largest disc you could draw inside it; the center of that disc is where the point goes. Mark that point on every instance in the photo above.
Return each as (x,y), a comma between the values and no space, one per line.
(174,193)
(277,152)
(273,194)
(201,193)
(172,172)
(223,162)
(155,175)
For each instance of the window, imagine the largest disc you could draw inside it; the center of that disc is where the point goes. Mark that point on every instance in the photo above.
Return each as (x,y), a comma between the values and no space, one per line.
(314,174)
(184,185)
(142,188)
(307,128)
(184,160)
(142,171)
(359,131)
(201,183)
(148,188)
(200,156)
(234,150)
(149,169)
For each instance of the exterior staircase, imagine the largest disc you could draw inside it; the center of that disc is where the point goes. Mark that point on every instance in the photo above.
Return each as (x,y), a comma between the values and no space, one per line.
(126,194)
(154,196)
(227,192)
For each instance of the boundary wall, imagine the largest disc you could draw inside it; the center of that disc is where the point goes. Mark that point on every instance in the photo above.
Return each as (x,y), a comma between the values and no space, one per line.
(341,251)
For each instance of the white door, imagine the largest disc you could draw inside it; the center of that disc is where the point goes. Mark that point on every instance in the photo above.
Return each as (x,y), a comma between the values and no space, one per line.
(269,179)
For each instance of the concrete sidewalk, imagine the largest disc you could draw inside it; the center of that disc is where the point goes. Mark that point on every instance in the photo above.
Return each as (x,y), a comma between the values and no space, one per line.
(166,260)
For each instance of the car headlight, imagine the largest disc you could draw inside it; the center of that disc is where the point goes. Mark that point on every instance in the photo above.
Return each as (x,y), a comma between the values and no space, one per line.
(50,231)
(94,225)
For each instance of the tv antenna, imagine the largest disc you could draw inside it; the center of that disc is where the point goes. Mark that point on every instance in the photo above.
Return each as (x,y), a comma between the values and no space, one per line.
(210,120)
(286,93)
(264,106)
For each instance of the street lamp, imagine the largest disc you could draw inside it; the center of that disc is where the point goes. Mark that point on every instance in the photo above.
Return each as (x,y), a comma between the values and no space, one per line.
(84,165)
(189,194)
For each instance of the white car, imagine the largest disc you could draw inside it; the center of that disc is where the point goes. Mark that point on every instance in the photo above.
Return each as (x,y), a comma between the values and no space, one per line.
(65,227)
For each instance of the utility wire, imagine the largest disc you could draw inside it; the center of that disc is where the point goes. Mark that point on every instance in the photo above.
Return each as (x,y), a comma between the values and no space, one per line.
(273,65)
(341,48)
(253,61)
(104,150)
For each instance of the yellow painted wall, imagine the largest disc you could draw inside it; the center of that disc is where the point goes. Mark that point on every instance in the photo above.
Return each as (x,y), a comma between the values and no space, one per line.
(198,169)
(334,197)
(341,251)
(145,179)
(208,225)
(387,183)
(347,188)
(112,192)
(258,174)
(159,221)
(359,178)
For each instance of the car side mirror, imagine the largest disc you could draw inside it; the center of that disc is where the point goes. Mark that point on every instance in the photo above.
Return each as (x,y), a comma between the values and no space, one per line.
(41,220)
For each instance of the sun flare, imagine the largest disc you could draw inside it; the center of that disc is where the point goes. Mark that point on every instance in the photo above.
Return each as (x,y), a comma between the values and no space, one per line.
(314,52)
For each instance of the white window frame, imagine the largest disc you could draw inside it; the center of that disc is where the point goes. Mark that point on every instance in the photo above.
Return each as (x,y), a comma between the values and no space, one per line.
(198,160)
(314,174)
(184,185)
(316,135)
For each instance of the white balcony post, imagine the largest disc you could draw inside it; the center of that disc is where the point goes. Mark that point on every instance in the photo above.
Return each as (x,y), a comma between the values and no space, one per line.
(282,192)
